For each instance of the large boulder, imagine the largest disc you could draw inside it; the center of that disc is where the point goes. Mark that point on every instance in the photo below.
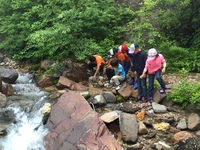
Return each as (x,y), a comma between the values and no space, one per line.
(8,75)
(73,124)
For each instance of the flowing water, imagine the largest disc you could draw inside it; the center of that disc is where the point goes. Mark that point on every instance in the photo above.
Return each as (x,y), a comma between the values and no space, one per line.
(24,116)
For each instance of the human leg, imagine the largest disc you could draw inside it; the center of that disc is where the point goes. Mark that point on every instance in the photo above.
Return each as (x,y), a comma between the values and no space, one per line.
(142,88)
(160,80)
(109,73)
(101,68)
(151,85)
(127,66)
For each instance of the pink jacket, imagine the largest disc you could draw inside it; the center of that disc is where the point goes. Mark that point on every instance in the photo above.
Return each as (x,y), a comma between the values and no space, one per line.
(153,65)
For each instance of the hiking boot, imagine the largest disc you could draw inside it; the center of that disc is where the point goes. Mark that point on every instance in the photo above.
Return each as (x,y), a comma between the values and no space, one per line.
(150,99)
(135,86)
(132,81)
(161,91)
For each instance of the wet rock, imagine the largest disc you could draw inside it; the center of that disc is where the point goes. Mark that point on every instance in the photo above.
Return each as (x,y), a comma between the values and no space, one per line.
(44,81)
(8,75)
(8,89)
(3,100)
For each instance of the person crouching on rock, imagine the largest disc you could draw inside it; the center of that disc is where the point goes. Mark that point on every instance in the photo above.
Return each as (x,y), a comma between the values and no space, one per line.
(119,73)
(96,61)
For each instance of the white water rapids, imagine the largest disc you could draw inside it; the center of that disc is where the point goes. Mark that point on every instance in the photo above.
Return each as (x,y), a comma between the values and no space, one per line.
(27,131)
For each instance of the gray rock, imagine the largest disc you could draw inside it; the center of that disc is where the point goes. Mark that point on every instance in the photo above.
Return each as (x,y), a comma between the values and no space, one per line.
(129,128)
(158,108)
(182,124)
(8,75)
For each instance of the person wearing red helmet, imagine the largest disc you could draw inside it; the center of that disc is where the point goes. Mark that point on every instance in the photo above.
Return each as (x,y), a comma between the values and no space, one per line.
(123,57)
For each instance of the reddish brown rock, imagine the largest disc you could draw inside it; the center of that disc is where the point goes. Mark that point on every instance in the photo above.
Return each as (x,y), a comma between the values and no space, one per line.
(73,124)
(44,81)
(183,135)
(125,90)
(65,82)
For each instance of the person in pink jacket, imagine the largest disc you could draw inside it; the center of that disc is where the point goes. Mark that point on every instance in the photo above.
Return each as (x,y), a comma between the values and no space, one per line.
(155,65)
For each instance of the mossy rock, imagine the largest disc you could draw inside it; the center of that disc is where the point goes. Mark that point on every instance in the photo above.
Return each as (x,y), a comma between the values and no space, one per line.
(86,95)
(120,98)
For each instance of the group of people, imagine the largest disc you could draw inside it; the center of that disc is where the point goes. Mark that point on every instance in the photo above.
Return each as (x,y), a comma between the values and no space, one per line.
(142,65)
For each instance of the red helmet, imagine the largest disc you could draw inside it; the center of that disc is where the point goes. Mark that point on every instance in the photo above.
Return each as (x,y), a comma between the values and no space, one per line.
(123,48)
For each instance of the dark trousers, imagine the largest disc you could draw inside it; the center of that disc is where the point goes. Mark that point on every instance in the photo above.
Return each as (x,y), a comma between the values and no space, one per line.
(92,65)
(109,73)
(142,85)
(151,82)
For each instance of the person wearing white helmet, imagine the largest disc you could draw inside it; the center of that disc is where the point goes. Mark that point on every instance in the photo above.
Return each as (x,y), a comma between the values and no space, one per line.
(155,65)
(139,60)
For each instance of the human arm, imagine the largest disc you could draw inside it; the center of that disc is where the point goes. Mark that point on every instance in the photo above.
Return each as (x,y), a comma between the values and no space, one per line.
(96,72)
(164,65)
(143,73)
(164,68)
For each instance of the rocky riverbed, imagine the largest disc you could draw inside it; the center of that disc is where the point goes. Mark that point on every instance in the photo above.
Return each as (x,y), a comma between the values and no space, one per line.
(162,125)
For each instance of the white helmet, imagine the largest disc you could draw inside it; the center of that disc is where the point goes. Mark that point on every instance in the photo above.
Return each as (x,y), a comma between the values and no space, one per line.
(152,52)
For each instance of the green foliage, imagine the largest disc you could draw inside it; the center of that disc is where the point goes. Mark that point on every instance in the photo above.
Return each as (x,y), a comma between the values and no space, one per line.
(185,92)
(176,57)
(181,93)
(120,98)
(195,97)
(34,67)
(59,29)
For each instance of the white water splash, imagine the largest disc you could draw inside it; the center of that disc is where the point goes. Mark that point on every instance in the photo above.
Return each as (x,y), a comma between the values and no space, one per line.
(27,133)
(27,104)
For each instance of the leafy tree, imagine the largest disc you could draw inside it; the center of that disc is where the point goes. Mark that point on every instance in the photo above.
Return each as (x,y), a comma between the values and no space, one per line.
(57,29)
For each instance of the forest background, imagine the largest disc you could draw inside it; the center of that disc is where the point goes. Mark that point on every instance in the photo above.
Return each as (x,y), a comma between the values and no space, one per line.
(55,29)
(58,29)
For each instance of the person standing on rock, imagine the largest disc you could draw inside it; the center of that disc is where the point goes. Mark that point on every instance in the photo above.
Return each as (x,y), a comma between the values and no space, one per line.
(155,65)
(98,62)
(139,61)
(123,58)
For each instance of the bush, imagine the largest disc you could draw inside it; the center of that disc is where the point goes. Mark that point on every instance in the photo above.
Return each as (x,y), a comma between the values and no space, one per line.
(186,93)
